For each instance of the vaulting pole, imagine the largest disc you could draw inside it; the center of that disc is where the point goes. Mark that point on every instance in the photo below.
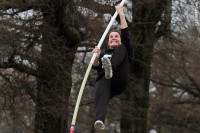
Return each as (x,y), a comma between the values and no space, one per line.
(72,129)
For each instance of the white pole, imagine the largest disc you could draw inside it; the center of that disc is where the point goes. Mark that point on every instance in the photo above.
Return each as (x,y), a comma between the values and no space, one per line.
(89,68)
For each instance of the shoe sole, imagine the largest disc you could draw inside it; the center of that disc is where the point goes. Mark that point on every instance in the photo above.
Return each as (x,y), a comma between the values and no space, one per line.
(107,67)
(99,126)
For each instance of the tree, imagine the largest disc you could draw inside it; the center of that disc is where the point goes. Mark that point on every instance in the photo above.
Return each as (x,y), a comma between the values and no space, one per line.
(42,46)
(177,89)
(146,16)
(39,40)
(175,102)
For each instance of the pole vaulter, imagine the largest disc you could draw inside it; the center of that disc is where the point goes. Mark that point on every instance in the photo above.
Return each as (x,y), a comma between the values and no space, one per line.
(72,128)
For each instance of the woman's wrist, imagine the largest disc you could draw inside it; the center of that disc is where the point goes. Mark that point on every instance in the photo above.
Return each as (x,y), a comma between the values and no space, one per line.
(96,61)
(122,14)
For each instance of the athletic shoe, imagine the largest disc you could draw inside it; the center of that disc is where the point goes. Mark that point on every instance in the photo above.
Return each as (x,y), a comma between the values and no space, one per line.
(106,64)
(99,125)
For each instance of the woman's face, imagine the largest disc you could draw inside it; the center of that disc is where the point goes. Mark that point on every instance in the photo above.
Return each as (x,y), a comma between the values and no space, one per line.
(114,39)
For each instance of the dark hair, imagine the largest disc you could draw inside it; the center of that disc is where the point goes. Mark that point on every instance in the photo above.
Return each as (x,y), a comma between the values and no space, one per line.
(114,31)
(105,44)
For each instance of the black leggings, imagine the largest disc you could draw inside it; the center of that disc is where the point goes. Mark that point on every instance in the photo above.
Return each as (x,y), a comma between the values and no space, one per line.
(105,89)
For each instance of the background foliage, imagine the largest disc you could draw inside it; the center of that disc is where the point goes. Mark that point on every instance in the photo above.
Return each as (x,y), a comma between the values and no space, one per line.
(45,47)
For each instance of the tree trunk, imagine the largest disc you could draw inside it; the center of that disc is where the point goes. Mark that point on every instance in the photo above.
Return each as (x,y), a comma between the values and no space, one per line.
(54,69)
(54,84)
(145,18)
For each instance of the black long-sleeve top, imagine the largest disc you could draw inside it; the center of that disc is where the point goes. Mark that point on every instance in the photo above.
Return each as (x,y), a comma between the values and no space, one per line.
(125,39)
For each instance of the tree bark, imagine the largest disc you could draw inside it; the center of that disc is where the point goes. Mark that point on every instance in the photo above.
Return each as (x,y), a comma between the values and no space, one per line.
(146,15)
(54,69)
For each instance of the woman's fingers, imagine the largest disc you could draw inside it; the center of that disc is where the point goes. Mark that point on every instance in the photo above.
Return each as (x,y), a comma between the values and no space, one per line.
(97,50)
(119,9)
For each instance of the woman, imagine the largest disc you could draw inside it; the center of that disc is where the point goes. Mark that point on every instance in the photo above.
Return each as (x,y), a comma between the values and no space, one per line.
(112,67)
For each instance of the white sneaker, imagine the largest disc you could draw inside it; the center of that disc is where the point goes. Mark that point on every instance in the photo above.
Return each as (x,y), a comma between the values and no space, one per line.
(106,64)
(99,125)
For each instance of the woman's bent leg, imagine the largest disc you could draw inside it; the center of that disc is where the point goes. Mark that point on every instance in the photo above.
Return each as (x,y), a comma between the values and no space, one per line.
(120,65)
